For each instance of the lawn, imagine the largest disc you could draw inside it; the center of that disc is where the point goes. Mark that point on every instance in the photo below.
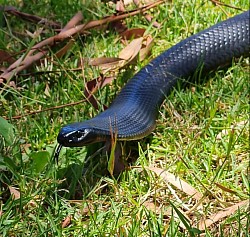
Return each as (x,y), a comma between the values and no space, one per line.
(190,177)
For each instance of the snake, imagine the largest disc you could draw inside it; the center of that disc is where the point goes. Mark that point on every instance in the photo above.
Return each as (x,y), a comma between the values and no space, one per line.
(133,113)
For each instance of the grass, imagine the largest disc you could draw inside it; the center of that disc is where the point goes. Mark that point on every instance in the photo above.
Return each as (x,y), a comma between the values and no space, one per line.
(202,137)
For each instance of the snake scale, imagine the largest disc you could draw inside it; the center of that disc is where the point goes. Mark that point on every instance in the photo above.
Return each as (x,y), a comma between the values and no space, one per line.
(133,113)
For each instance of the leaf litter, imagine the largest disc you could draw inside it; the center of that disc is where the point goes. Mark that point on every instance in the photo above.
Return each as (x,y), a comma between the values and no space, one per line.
(180,184)
(72,29)
(138,48)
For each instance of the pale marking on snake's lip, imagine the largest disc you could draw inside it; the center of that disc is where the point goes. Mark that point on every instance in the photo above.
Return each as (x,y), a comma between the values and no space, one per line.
(68,134)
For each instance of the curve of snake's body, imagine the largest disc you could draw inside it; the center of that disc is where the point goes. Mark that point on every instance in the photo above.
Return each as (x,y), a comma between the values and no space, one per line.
(133,113)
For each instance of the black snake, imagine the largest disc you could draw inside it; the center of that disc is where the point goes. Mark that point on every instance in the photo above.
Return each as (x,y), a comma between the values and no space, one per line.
(133,113)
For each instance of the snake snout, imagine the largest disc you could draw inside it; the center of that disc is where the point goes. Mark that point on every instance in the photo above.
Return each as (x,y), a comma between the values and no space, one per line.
(73,136)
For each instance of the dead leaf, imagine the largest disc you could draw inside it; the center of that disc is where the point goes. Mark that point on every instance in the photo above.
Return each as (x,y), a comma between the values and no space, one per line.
(65,49)
(203,224)
(126,56)
(21,64)
(149,18)
(131,50)
(177,182)
(6,57)
(107,64)
(66,221)
(47,90)
(103,60)
(118,26)
(92,86)
(146,47)
(119,7)
(133,33)
(36,34)
(32,18)
(14,192)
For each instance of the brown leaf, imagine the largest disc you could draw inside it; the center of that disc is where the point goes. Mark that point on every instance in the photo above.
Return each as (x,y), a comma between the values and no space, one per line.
(131,50)
(14,192)
(146,47)
(21,64)
(103,60)
(149,18)
(6,57)
(35,54)
(34,35)
(203,224)
(64,49)
(107,64)
(118,26)
(32,18)
(177,182)
(66,221)
(92,86)
(119,7)
(133,33)
(47,90)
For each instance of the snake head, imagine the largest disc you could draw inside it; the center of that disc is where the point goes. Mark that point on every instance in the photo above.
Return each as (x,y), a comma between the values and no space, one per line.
(76,135)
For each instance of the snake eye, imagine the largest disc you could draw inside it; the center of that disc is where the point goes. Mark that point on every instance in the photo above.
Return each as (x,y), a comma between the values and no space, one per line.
(78,134)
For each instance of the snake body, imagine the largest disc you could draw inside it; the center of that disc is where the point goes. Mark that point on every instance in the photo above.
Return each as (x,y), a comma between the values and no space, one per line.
(133,113)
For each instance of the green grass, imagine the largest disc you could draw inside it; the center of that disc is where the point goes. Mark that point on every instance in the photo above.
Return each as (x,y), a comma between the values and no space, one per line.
(202,136)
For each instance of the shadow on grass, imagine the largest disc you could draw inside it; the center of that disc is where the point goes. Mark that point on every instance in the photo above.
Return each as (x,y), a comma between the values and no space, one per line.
(81,177)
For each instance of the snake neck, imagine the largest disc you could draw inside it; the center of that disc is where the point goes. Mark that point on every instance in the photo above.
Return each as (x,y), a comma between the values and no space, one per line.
(133,113)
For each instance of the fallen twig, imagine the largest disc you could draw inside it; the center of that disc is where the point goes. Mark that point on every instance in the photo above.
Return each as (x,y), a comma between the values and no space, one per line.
(29,17)
(226,5)
(47,109)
